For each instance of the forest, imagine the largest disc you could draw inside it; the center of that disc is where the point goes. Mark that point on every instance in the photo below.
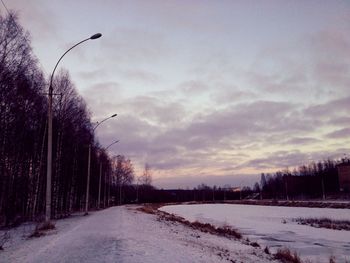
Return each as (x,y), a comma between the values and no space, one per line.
(314,180)
(23,138)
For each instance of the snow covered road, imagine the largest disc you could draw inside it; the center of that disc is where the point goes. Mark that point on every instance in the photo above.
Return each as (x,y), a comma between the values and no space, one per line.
(123,234)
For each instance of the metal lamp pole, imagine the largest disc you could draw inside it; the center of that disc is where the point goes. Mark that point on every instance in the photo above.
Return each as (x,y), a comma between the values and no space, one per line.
(49,134)
(99,181)
(89,166)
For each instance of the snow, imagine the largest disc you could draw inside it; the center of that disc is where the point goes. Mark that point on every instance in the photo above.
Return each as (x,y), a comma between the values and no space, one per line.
(274,226)
(123,234)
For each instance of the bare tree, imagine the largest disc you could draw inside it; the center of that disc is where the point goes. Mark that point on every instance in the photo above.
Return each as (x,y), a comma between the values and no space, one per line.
(123,174)
(23,115)
(22,125)
(146,177)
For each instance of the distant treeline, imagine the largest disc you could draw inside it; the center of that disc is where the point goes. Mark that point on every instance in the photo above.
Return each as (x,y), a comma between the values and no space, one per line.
(315,180)
(23,138)
(149,194)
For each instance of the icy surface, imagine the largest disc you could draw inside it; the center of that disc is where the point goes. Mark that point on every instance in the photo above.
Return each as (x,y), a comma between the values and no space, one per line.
(274,226)
(122,234)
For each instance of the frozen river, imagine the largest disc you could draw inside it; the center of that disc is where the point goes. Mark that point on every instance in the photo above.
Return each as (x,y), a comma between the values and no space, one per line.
(274,227)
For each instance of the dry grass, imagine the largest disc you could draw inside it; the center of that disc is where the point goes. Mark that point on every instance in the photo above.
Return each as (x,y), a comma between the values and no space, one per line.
(41,228)
(147,209)
(221,231)
(295,203)
(325,223)
(203,227)
(150,208)
(287,256)
(4,238)
(46,226)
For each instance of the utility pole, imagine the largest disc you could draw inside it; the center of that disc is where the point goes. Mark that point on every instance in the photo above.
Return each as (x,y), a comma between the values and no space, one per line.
(49,133)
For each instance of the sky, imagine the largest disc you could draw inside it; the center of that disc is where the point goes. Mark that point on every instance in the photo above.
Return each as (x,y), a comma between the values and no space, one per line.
(212,92)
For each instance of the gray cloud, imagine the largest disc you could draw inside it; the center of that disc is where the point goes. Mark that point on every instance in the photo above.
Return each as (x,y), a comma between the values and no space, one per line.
(92,75)
(301,140)
(244,120)
(295,158)
(140,75)
(278,159)
(102,98)
(191,181)
(233,95)
(319,68)
(158,130)
(340,121)
(174,138)
(134,46)
(213,102)
(33,17)
(333,109)
(342,133)
(156,110)
(232,126)
(193,87)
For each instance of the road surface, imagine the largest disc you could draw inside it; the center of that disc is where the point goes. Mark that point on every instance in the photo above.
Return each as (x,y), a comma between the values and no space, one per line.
(123,234)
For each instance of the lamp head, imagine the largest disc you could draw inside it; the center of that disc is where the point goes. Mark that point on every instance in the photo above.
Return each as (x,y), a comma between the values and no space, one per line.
(114,115)
(98,35)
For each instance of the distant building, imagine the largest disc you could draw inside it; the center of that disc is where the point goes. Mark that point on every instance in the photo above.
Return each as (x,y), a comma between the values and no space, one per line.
(344,177)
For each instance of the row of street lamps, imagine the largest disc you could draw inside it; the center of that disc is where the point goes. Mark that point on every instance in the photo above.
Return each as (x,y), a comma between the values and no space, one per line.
(99,180)
(89,166)
(49,143)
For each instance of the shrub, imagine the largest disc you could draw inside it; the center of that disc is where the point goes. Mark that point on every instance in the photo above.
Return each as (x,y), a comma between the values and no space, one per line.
(41,228)
(332,259)
(286,256)
(46,226)
(254,244)
(4,238)
(266,250)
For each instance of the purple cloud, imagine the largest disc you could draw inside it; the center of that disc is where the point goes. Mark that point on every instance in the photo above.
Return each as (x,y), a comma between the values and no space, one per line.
(338,134)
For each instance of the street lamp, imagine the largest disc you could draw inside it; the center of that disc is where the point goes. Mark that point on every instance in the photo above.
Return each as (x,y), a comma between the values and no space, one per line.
(89,165)
(49,133)
(99,181)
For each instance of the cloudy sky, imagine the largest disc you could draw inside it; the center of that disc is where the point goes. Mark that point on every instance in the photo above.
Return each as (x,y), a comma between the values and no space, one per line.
(206,91)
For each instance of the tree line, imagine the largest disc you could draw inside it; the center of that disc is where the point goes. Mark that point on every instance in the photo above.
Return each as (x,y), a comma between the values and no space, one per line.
(314,180)
(23,138)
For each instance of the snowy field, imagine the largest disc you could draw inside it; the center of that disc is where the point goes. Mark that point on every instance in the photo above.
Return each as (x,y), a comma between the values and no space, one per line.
(123,234)
(273,226)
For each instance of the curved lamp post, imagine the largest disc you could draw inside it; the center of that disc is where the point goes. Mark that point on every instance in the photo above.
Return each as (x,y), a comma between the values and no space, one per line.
(49,133)
(89,165)
(99,180)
